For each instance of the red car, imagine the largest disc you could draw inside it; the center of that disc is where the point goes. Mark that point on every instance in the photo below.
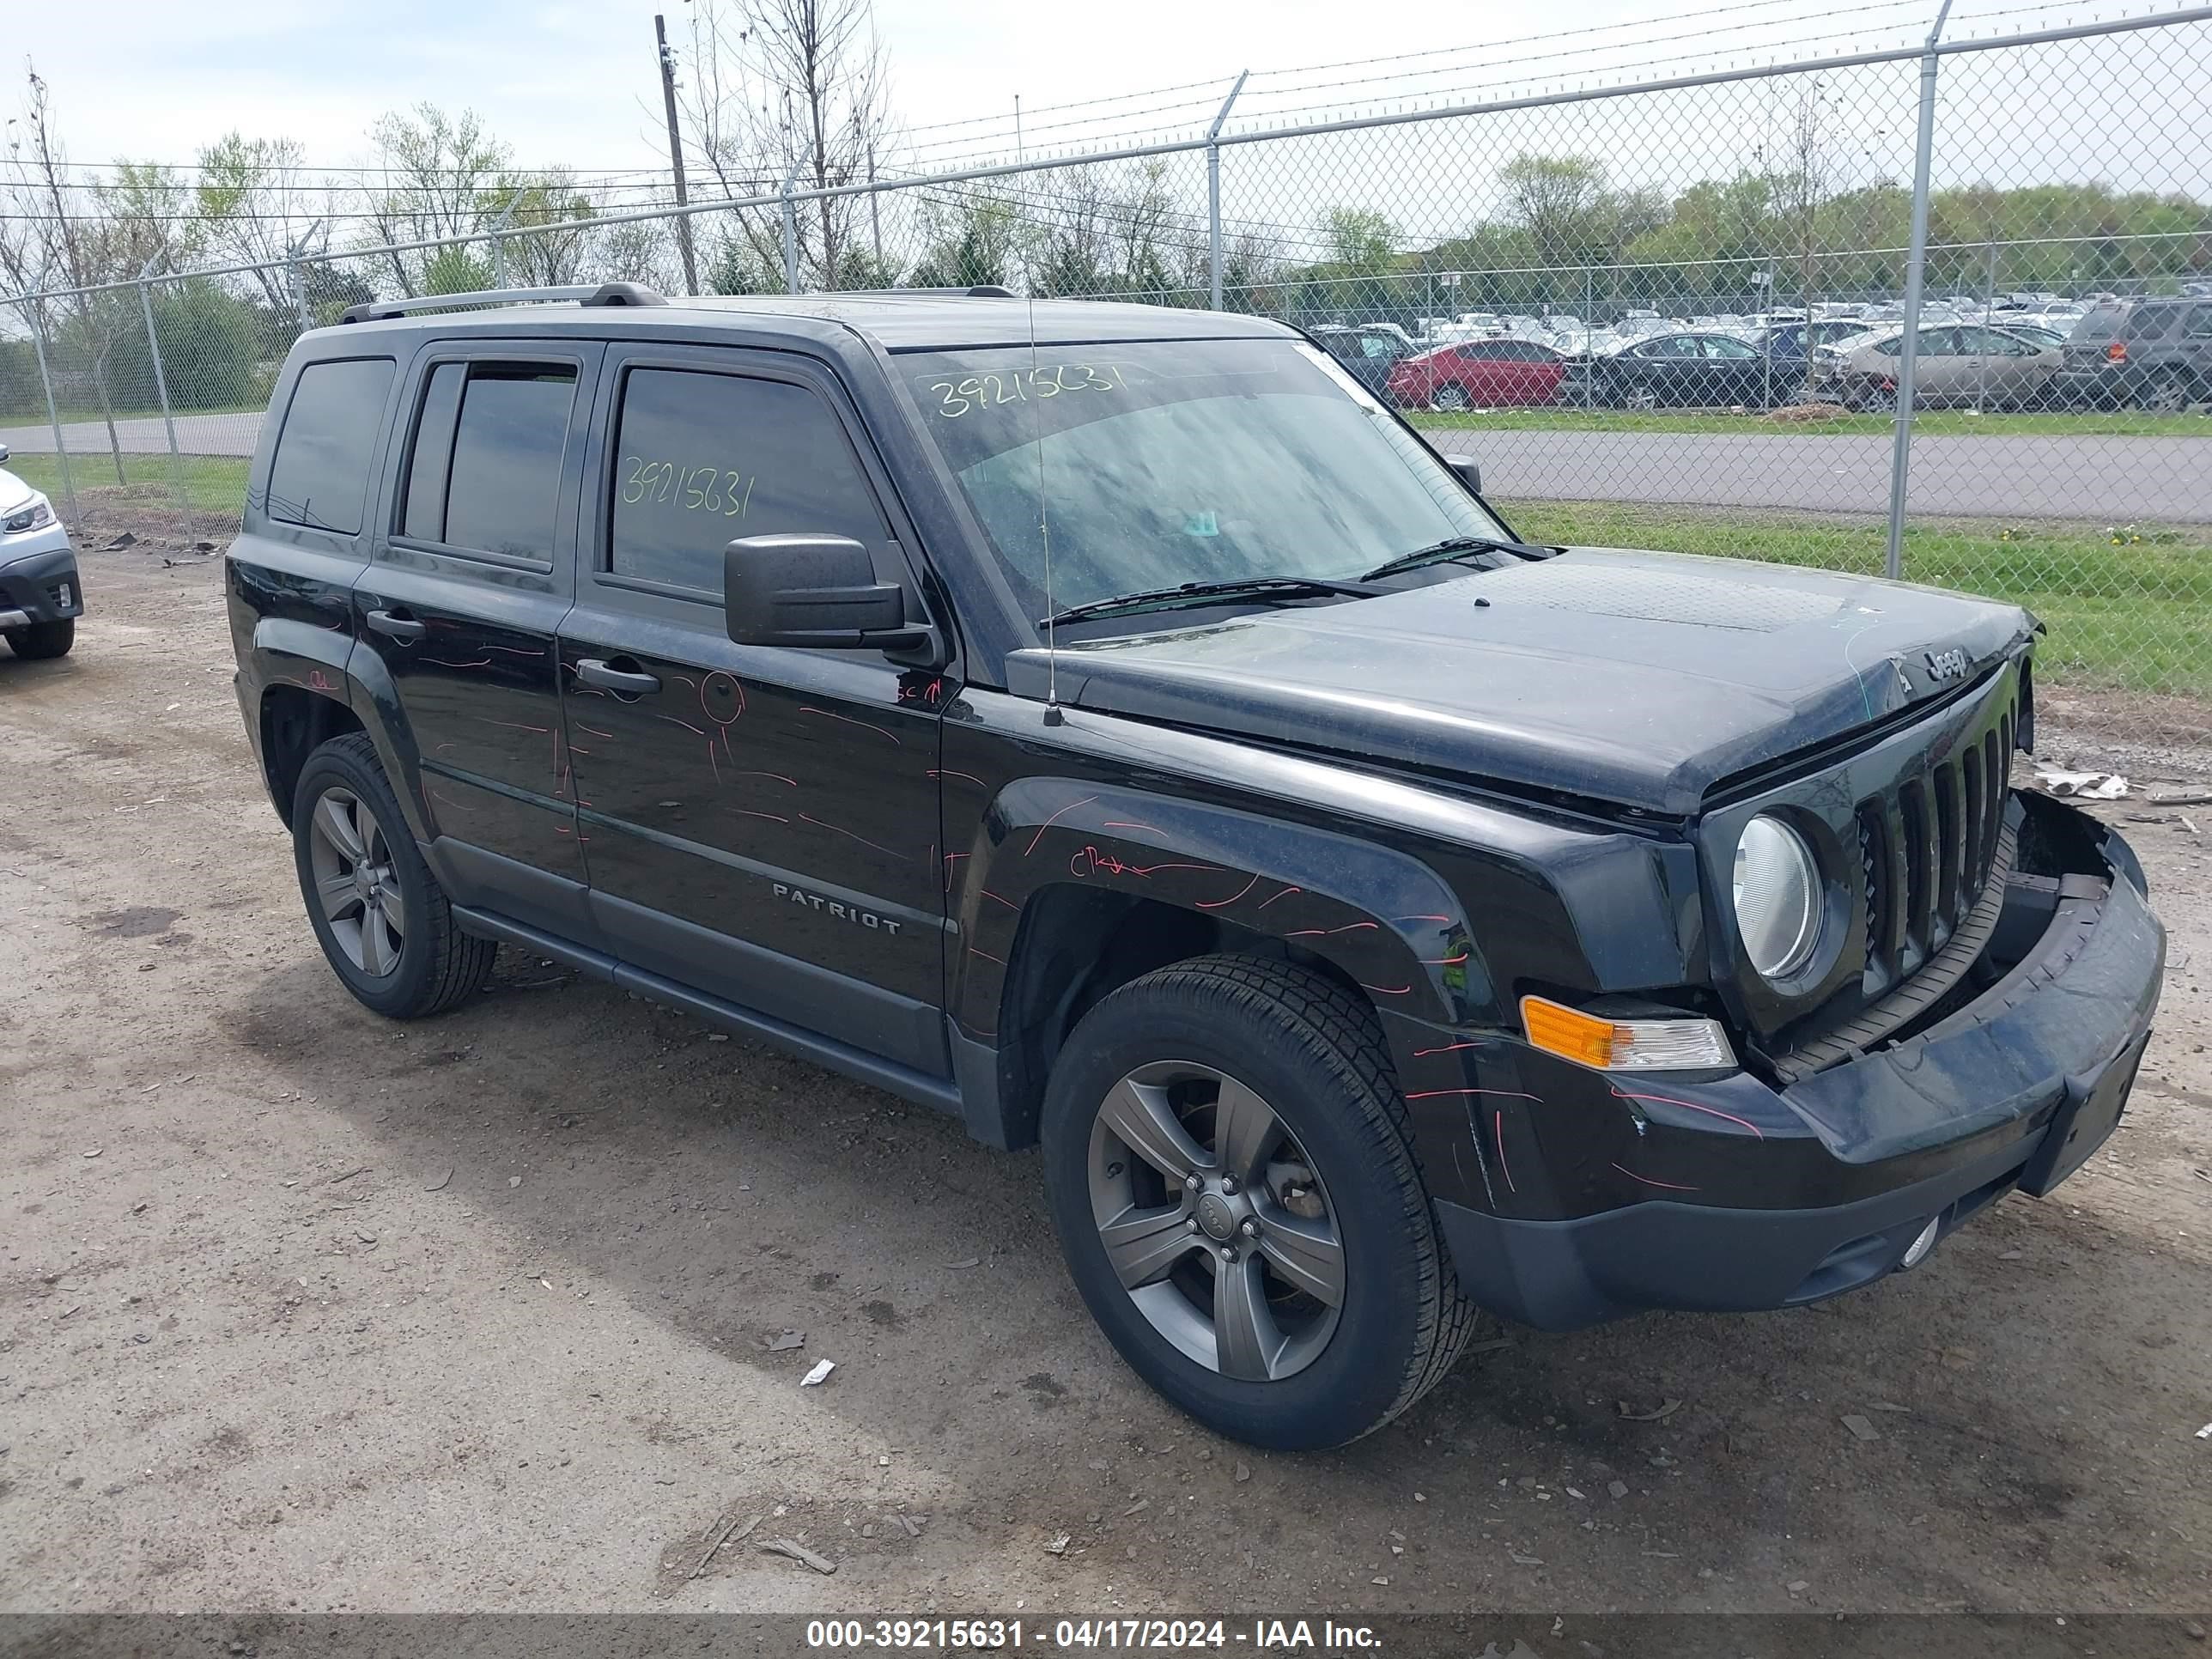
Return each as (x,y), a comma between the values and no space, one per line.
(1479,375)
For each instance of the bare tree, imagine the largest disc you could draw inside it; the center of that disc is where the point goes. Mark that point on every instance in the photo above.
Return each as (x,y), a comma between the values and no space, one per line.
(254,207)
(55,238)
(435,175)
(798,89)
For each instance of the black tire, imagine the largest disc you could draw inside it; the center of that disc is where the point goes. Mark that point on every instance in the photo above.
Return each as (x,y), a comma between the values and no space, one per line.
(2168,394)
(1450,399)
(438,966)
(43,640)
(1314,1052)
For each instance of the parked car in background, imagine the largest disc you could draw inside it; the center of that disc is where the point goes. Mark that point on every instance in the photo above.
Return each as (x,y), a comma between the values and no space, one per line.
(1788,344)
(1956,365)
(2147,354)
(1368,351)
(1684,370)
(41,595)
(1479,375)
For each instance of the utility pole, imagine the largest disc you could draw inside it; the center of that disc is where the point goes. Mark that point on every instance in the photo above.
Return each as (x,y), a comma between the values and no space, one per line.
(676,154)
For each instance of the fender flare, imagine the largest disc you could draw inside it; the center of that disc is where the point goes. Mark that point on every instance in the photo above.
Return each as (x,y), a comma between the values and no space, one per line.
(1385,920)
(326,662)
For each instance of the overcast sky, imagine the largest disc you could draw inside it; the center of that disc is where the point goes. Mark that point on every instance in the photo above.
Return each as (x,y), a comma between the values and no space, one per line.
(575,82)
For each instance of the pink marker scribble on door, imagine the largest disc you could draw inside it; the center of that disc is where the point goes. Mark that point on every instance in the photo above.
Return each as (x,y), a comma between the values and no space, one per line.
(1126,824)
(832,714)
(1453,1048)
(443,662)
(722,699)
(986,956)
(514,651)
(595,730)
(686,725)
(777,776)
(1286,893)
(965,777)
(1330,933)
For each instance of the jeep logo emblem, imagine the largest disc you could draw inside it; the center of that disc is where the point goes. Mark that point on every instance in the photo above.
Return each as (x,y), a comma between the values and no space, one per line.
(1947,665)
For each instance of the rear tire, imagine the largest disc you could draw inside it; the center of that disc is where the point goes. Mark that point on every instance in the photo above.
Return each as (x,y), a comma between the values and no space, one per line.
(1451,400)
(383,921)
(1279,1366)
(2166,395)
(43,640)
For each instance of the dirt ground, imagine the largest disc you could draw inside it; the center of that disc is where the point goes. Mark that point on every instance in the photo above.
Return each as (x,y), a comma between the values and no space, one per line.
(304,1311)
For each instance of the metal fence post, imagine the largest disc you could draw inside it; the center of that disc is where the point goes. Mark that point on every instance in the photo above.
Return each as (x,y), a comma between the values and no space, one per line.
(161,387)
(1915,262)
(299,277)
(1213,190)
(499,239)
(53,413)
(790,234)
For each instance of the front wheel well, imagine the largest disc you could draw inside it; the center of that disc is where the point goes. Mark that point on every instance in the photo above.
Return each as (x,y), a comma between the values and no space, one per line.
(1077,945)
(295,723)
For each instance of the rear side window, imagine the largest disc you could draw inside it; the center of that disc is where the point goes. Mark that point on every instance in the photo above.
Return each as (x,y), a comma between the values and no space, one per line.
(484,473)
(2151,322)
(320,473)
(702,458)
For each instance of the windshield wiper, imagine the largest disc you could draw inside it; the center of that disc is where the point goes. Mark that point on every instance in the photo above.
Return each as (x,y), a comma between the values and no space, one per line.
(1453,547)
(1256,588)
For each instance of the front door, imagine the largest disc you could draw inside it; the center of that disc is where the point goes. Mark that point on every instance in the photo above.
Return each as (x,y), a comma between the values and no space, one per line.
(760,823)
(473,562)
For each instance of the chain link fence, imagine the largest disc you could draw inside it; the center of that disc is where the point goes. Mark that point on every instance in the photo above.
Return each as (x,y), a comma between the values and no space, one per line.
(1946,311)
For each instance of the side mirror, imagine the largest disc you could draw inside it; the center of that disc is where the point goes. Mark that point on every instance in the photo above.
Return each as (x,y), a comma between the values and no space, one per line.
(811,591)
(3,454)
(1469,471)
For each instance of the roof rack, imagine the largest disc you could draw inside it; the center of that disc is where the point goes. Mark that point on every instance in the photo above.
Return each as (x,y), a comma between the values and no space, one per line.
(603,294)
(976,291)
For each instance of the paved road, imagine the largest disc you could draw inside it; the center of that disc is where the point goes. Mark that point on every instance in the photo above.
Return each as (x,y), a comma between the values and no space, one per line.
(2165,480)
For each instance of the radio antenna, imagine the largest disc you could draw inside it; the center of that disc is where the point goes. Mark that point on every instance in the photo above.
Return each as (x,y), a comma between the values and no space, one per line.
(1052,714)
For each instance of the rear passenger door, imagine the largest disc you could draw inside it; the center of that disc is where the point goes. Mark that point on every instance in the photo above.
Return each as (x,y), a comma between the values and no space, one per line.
(760,823)
(471,572)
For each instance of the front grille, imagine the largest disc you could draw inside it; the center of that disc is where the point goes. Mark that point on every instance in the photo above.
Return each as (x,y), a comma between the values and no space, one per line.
(1925,851)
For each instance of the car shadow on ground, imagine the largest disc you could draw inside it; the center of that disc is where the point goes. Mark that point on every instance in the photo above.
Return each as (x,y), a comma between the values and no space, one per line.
(1952,1436)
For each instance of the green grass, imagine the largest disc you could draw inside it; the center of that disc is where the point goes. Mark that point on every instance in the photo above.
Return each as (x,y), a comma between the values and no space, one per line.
(1940,423)
(2137,615)
(141,412)
(214,484)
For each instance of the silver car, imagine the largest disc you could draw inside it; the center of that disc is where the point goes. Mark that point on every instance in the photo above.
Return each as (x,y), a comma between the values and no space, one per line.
(1958,364)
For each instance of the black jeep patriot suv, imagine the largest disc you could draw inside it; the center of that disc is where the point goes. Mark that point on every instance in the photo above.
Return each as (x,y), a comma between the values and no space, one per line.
(1114,726)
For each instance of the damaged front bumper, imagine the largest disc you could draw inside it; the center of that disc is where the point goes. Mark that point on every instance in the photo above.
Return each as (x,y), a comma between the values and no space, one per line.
(1743,1196)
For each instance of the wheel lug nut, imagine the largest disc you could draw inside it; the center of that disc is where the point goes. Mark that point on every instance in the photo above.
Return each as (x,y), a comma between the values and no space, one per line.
(1190,1226)
(1193,1183)
(1227,1254)
(1228,1183)
(1251,1229)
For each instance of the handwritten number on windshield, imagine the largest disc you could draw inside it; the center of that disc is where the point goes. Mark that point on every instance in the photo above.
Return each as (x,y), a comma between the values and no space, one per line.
(992,391)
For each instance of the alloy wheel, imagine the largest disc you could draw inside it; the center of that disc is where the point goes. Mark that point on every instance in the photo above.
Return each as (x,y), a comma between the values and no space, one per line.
(1215,1222)
(357,882)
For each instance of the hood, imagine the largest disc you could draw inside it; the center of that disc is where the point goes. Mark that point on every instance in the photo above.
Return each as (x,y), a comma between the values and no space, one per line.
(13,492)
(1636,678)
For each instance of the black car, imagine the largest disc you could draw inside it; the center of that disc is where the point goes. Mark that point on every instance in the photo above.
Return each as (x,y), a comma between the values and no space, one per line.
(1113,727)
(2145,354)
(1689,370)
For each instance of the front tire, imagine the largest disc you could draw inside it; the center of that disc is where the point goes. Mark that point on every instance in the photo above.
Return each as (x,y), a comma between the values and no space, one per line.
(1230,1168)
(1449,399)
(383,921)
(43,640)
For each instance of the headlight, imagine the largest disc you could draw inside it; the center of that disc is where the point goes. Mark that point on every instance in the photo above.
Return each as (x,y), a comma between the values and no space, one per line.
(1778,897)
(39,514)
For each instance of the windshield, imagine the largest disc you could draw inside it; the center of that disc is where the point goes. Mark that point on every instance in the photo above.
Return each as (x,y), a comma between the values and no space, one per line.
(1160,463)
